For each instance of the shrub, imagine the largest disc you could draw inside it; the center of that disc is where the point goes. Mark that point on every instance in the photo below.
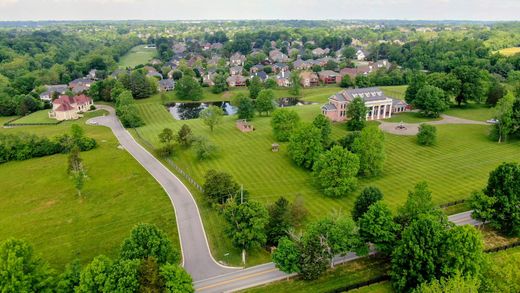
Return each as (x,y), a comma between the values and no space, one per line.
(427,135)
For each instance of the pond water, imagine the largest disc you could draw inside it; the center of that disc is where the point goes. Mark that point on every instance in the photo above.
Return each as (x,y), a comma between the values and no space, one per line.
(186,111)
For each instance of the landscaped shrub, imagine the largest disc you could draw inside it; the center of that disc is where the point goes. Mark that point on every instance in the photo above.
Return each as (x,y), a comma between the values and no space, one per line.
(427,134)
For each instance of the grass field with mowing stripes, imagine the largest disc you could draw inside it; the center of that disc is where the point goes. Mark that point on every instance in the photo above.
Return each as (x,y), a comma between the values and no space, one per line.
(136,56)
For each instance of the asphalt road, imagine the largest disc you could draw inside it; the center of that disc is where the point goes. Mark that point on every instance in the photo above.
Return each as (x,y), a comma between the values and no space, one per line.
(196,256)
(208,275)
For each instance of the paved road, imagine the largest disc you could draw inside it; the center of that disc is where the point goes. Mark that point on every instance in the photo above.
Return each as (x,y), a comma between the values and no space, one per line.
(413,128)
(268,273)
(197,259)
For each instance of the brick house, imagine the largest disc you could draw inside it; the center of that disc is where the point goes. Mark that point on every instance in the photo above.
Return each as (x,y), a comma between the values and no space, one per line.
(309,78)
(69,108)
(329,77)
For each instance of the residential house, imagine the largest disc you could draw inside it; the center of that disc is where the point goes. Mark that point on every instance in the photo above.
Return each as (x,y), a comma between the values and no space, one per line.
(379,106)
(256,68)
(302,64)
(68,108)
(92,74)
(260,74)
(237,59)
(279,67)
(277,56)
(213,62)
(51,90)
(329,77)
(208,78)
(80,85)
(206,47)
(236,81)
(236,70)
(309,78)
(166,85)
(179,48)
(217,46)
(319,52)
(361,55)
(283,79)
(155,61)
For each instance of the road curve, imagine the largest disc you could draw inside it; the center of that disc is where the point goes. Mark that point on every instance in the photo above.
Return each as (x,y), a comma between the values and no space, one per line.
(196,256)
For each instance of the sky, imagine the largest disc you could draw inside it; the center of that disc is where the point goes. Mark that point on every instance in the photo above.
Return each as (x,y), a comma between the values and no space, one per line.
(258,9)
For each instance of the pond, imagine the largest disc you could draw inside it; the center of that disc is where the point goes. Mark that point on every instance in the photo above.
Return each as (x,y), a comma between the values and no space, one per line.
(186,111)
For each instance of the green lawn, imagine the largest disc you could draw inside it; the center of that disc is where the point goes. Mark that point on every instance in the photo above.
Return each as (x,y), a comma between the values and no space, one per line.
(39,203)
(36,117)
(397,91)
(343,275)
(409,117)
(136,56)
(479,112)
(456,166)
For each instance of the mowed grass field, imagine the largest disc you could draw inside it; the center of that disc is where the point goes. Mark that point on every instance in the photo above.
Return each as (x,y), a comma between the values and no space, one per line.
(458,165)
(136,56)
(38,202)
(41,116)
(509,51)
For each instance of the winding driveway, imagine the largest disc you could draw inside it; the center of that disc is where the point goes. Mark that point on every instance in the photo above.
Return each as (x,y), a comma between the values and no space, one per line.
(413,128)
(196,256)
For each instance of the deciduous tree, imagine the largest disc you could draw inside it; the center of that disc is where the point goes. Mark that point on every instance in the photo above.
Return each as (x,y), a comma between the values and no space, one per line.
(211,116)
(368,196)
(370,148)
(176,279)
(220,186)
(265,102)
(357,114)
(377,226)
(305,145)
(284,122)
(427,134)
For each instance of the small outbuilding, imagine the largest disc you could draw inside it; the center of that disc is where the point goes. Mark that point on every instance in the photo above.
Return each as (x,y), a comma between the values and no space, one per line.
(244,126)
(275,147)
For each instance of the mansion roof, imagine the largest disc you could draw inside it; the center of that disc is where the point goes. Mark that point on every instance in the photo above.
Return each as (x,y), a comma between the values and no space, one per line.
(367,94)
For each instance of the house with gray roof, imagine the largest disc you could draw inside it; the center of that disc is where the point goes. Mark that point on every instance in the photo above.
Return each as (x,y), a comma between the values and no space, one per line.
(51,90)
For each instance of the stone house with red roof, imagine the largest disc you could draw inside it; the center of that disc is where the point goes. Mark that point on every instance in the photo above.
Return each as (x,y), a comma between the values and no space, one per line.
(70,108)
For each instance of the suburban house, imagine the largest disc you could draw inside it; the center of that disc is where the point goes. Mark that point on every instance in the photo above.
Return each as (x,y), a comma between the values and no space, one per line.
(214,61)
(260,74)
(179,48)
(302,65)
(283,79)
(209,77)
(319,52)
(69,108)
(309,78)
(237,59)
(166,85)
(365,69)
(256,68)
(217,46)
(235,70)
(236,80)
(92,74)
(361,55)
(59,89)
(277,67)
(80,85)
(329,77)
(379,106)
(278,57)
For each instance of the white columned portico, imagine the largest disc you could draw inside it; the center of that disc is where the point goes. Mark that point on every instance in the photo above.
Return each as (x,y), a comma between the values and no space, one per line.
(384,111)
(372,114)
(378,111)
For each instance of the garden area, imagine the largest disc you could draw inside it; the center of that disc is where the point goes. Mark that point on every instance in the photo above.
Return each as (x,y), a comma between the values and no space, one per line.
(40,204)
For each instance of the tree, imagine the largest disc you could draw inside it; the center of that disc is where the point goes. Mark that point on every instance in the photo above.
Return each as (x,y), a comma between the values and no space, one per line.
(94,276)
(146,240)
(368,196)
(427,134)
(265,102)
(335,172)
(346,81)
(255,86)
(139,84)
(219,187)
(419,202)
(76,170)
(378,227)
(305,145)
(220,84)
(279,221)
(270,83)
(362,81)
(150,279)
(287,256)
(417,82)
(504,118)
(502,274)
(166,136)
(431,101)
(323,124)
(246,224)
(496,92)
(298,212)
(70,278)
(185,135)
(21,270)
(123,276)
(370,148)
(204,149)
(176,279)
(284,122)
(295,83)
(211,116)
(456,284)
(357,114)
(472,85)
(188,88)
(499,203)
(245,107)
(314,259)
(348,52)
